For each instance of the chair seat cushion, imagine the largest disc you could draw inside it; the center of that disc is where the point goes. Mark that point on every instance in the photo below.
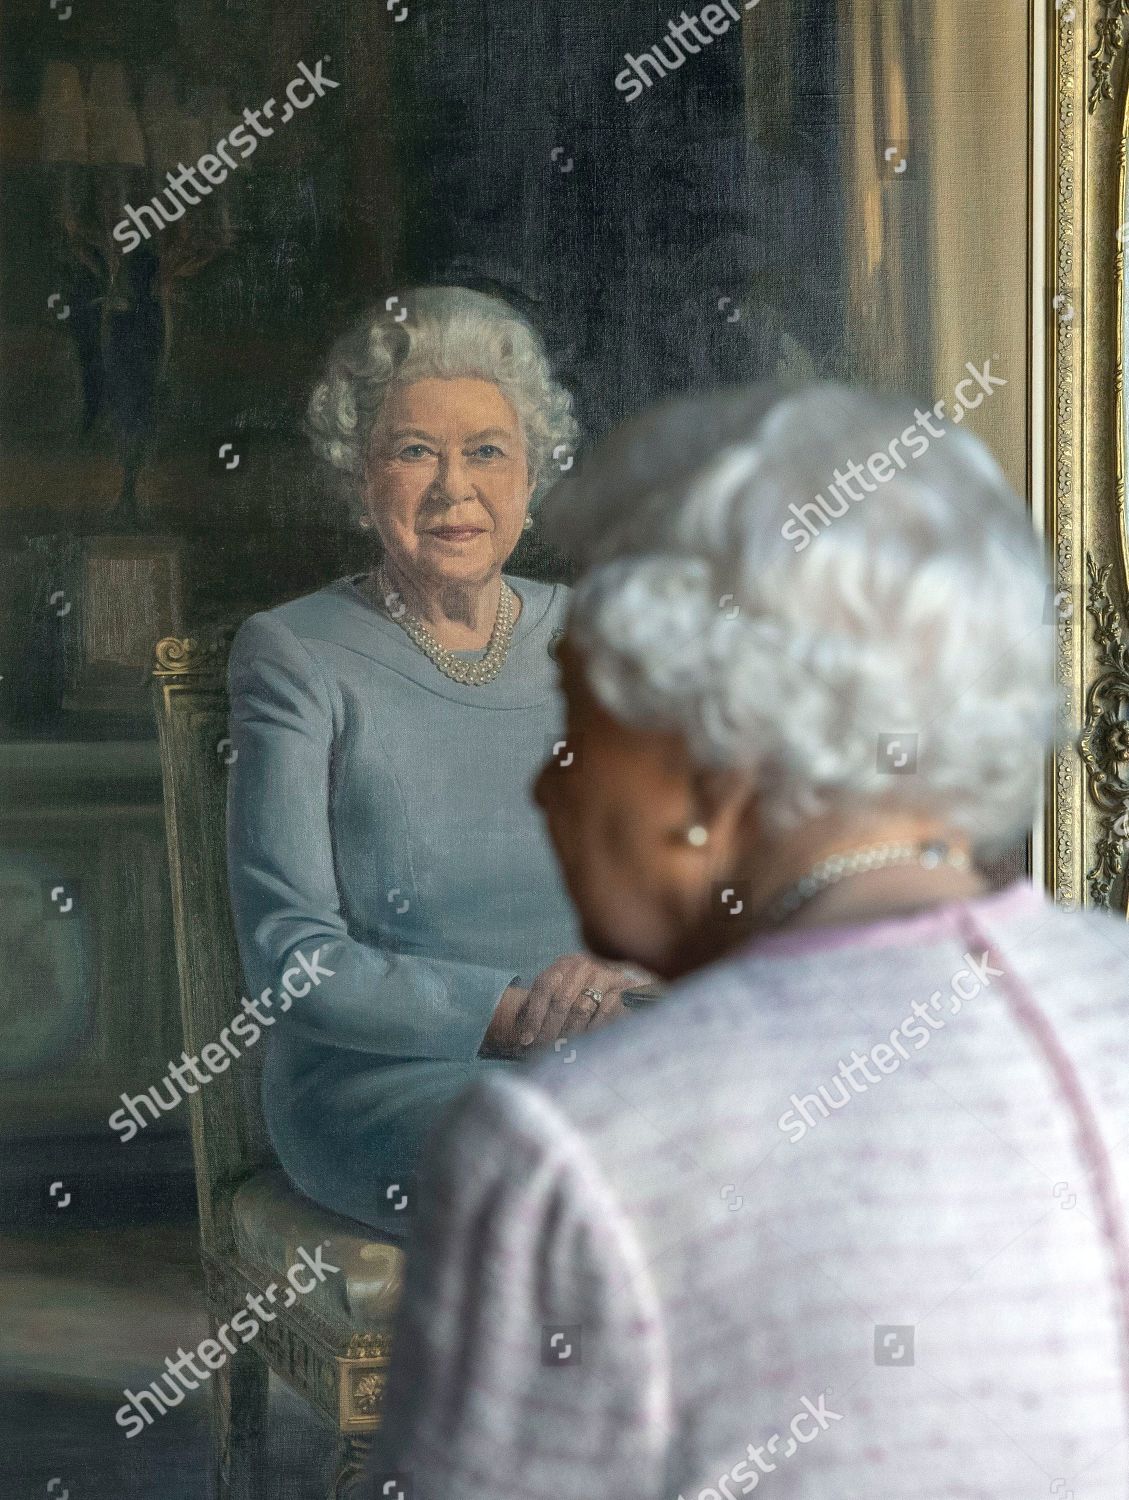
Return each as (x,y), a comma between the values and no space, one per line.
(272,1221)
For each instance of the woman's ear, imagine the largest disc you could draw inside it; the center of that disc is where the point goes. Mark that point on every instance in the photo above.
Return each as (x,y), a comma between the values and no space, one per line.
(366,520)
(728,808)
(366,491)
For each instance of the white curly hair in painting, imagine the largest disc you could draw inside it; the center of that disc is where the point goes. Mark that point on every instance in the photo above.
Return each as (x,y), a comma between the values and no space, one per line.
(918,609)
(444,331)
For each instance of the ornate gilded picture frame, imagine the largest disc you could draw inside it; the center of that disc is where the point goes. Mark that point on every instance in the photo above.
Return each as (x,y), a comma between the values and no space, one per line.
(1087,223)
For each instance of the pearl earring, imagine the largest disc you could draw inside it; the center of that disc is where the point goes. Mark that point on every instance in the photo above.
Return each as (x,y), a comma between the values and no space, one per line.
(697,835)
(527,524)
(365,523)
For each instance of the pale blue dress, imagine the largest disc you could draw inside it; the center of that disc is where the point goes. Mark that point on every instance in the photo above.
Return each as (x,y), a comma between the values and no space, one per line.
(379,814)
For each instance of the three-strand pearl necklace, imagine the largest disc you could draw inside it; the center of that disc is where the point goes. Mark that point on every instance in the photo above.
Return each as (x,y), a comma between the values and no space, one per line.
(470,673)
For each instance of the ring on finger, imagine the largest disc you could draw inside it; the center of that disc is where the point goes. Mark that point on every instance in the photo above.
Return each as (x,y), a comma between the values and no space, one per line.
(593,999)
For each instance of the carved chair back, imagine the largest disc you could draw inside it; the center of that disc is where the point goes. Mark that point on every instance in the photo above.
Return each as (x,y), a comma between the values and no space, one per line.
(229,1139)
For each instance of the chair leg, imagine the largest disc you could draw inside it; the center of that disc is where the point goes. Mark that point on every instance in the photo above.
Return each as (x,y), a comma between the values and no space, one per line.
(352,1453)
(239,1417)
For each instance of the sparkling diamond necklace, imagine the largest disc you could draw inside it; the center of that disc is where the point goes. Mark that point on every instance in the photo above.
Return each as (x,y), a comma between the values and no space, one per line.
(471,673)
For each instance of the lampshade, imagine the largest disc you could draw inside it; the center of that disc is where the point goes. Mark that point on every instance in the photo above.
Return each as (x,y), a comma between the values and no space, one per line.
(114,131)
(196,116)
(220,116)
(62,114)
(171,135)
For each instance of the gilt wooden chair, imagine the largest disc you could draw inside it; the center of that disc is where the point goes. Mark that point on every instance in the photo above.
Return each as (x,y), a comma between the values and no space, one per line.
(331,1346)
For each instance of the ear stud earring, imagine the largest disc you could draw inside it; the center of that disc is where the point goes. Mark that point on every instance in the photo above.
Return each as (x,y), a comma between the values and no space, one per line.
(527,524)
(697,835)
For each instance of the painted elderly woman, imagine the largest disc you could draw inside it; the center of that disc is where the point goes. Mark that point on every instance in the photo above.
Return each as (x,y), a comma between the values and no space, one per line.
(387,727)
(846,1212)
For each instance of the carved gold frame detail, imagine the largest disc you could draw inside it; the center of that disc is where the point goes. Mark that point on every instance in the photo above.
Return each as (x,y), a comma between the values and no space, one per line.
(1087,810)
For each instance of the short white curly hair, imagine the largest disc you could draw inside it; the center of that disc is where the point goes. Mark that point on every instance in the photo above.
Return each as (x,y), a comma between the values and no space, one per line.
(449,332)
(920,611)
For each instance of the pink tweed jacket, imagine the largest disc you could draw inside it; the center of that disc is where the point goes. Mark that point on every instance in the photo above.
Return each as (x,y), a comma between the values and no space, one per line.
(843,1217)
